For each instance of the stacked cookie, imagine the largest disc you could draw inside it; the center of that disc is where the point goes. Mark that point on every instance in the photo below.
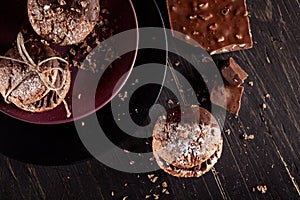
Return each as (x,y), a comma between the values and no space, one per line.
(187,142)
(33,76)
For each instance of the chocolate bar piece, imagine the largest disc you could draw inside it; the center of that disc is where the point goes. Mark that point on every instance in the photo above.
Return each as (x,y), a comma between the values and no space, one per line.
(233,73)
(231,94)
(217,25)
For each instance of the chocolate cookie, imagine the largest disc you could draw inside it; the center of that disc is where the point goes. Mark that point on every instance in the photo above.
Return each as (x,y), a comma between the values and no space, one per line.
(187,142)
(63,22)
(18,83)
(53,98)
(33,77)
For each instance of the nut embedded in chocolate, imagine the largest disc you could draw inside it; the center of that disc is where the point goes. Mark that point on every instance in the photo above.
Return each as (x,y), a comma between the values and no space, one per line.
(223,25)
(187,142)
(63,22)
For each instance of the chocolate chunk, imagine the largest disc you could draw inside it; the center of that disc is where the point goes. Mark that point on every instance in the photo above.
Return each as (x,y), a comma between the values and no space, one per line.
(231,94)
(188,142)
(217,25)
(233,73)
(63,22)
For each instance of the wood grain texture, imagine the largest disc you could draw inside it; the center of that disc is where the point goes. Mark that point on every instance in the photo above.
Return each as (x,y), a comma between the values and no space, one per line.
(271,159)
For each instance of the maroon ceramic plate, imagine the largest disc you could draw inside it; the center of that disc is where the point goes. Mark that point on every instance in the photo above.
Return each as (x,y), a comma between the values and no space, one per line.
(122,13)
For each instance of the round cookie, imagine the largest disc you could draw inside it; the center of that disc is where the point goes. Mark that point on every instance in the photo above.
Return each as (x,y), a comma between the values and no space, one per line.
(53,98)
(187,142)
(16,80)
(63,22)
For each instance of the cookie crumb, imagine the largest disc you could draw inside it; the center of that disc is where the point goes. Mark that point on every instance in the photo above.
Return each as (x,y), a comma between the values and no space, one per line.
(272,166)
(170,102)
(262,188)
(248,137)
(228,131)
(177,63)
(132,162)
(152,178)
(123,96)
(156,196)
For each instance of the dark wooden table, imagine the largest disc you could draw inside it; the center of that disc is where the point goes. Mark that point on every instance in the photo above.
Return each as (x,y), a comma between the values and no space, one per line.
(50,162)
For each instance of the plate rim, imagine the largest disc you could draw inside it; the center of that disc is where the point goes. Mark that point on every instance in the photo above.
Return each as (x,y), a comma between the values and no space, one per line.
(115,92)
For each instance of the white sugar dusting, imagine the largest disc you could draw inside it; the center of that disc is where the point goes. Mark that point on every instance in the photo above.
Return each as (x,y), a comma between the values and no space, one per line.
(186,143)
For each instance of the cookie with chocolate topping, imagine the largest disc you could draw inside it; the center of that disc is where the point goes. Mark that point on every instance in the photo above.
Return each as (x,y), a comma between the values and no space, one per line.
(63,22)
(187,142)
